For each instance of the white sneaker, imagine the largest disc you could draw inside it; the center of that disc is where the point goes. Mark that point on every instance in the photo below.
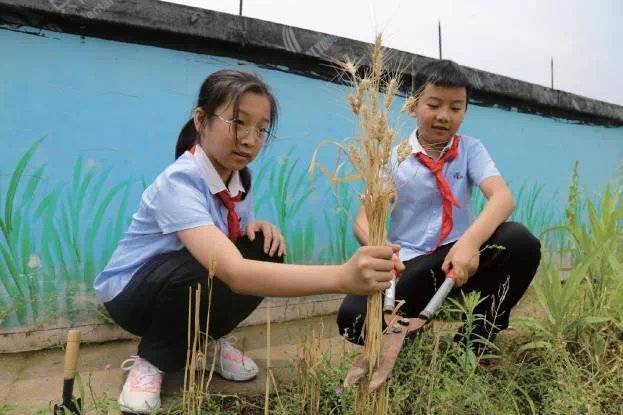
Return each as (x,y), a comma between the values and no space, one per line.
(231,363)
(141,390)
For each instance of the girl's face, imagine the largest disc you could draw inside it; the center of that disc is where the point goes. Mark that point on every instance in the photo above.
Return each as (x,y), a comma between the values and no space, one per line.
(217,135)
(439,111)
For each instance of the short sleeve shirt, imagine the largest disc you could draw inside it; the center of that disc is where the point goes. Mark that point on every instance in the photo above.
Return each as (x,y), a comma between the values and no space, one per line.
(415,222)
(182,197)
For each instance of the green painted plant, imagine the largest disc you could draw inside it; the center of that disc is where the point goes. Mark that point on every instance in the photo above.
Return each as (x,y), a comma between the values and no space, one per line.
(478,201)
(530,209)
(286,193)
(342,243)
(49,248)
(19,275)
(301,242)
(72,226)
(82,210)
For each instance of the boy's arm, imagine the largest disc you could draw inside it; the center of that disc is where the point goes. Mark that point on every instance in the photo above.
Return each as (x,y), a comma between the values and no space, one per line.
(360,227)
(500,204)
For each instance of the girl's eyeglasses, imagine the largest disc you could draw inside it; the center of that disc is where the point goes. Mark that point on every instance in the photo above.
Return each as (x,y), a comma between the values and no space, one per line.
(237,128)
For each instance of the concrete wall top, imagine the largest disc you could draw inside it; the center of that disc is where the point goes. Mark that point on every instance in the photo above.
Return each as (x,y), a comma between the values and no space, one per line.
(302,51)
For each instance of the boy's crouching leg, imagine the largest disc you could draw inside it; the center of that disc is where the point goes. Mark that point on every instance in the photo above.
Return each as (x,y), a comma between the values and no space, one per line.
(523,253)
(351,316)
(522,245)
(504,275)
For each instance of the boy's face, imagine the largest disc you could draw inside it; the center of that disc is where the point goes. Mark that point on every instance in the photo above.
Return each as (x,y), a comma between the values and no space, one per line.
(439,110)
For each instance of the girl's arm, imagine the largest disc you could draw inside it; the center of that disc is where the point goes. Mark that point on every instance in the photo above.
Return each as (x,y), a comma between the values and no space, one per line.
(368,271)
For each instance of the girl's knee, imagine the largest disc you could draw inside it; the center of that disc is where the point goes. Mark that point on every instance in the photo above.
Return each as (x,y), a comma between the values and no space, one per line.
(254,249)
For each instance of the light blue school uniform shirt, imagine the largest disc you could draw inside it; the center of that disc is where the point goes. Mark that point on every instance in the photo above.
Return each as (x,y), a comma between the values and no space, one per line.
(415,222)
(181,197)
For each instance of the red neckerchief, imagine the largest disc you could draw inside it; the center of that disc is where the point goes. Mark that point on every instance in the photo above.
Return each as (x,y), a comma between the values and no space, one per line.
(447,199)
(233,221)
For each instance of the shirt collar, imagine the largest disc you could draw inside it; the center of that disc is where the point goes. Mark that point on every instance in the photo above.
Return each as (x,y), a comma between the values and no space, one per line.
(417,147)
(212,178)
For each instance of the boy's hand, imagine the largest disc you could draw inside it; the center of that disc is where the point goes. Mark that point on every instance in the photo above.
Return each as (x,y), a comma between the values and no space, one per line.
(274,242)
(370,269)
(463,258)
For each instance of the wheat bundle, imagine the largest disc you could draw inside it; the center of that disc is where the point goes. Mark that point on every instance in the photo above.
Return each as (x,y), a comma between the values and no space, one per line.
(369,153)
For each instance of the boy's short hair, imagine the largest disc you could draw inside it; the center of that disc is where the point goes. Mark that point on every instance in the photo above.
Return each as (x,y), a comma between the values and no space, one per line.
(441,72)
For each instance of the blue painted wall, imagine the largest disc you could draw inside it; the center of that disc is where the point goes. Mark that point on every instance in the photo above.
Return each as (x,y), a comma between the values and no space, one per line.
(113,110)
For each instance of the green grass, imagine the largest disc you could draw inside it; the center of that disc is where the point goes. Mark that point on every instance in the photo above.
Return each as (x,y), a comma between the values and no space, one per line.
(434,375)
(532,210)
(564,356)
(6,409)
(566,359)
(584,310)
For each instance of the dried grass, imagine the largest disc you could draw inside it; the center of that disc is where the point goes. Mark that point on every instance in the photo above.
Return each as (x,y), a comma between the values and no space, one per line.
(268,371)
(195,382)
(270,377)
(308,371)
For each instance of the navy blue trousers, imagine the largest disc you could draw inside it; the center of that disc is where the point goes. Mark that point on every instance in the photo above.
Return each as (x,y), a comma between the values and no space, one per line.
(514,266)
(154,304)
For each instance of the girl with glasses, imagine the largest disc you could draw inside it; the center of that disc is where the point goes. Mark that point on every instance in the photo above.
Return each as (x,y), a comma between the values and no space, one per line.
(199,211)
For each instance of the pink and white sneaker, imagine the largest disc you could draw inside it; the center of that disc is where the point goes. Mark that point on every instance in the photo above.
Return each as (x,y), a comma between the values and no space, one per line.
(141,390)
(231,363)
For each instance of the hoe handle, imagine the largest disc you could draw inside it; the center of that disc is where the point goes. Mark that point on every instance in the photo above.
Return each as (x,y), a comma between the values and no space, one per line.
(71,354)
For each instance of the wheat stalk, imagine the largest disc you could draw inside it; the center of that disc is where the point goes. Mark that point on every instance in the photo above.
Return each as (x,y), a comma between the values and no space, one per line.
(369,153)
(308,368)
(268,371)
(195,386)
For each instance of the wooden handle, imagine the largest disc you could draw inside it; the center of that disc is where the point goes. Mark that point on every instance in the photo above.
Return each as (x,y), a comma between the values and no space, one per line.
(71,353)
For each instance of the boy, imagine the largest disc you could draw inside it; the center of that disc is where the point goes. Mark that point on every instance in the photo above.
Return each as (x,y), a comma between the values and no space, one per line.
(433,219)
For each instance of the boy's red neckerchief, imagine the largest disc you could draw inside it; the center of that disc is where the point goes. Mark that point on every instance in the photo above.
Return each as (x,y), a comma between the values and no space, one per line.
(447,199)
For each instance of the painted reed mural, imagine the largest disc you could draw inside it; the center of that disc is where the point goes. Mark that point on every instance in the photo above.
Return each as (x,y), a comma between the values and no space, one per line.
(83,136)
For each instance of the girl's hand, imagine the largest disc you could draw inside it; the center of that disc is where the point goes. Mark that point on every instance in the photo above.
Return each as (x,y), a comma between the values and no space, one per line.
(274,242)
(399,267)
(369,269)
(464,259)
